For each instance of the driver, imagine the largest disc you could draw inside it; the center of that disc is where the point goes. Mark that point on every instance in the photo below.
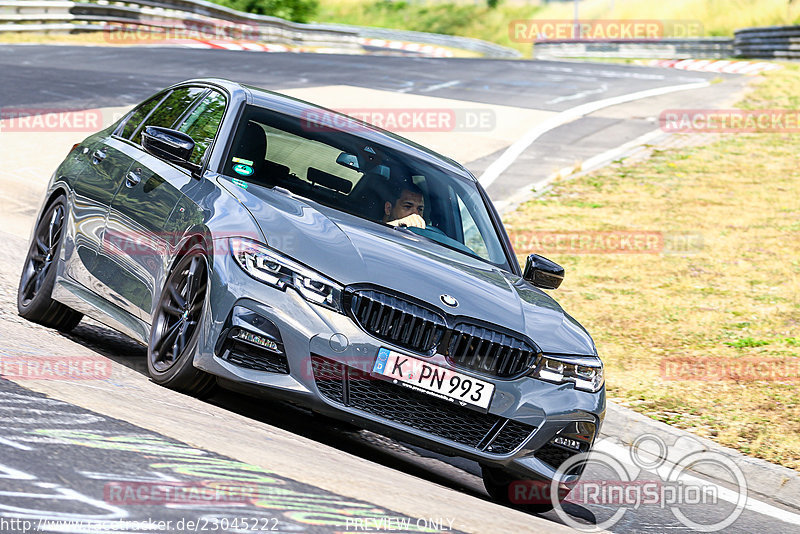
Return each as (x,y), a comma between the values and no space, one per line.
(406,208)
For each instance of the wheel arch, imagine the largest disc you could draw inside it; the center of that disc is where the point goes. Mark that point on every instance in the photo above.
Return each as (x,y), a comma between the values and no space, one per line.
(196,236)
(60,189)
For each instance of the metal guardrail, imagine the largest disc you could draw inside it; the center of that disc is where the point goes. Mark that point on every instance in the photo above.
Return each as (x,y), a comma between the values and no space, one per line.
(165,18)
(711,47)
(173,16)
(769,42)
(485,48)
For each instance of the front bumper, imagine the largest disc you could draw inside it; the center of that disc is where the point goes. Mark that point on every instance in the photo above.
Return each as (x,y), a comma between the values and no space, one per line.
(524,416)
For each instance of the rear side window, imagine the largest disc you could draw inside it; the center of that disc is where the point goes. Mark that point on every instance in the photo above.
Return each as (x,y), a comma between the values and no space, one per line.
(304,156)
(202,123)
(171,109)
(138,115)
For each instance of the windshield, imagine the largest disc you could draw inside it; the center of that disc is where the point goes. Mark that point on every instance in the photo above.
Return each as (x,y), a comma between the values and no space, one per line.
(343,171)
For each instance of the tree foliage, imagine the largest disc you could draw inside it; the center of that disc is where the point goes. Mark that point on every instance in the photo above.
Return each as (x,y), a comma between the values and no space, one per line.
(295,10)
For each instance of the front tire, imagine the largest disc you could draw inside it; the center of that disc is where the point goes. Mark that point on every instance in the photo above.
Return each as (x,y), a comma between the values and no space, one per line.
(176,327)
(34,294)
(502,487)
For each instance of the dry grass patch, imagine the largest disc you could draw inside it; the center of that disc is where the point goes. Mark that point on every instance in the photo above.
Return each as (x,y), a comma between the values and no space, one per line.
(87,38)
(737,297)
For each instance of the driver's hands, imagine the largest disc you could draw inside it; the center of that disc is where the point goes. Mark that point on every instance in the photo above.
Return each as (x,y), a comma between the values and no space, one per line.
(411,220)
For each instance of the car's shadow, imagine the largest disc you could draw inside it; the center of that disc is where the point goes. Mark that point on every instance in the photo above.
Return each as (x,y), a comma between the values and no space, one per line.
(455,473)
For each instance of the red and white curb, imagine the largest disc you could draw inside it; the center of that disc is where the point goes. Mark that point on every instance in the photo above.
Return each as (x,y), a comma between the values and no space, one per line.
(233,45)
(750,68)
(423,49)
(228,44)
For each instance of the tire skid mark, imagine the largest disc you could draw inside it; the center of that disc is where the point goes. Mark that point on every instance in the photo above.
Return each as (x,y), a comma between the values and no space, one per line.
(63,463)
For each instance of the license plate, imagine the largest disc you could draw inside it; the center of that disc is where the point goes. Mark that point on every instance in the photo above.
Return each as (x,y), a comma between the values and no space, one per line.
(435,380)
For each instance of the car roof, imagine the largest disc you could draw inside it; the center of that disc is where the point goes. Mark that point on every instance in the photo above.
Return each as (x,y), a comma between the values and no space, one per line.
(298,108)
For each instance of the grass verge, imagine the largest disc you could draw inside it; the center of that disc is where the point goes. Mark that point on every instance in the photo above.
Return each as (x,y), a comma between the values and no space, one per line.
(451,18)
(734,298)
(87,38)
(469,19)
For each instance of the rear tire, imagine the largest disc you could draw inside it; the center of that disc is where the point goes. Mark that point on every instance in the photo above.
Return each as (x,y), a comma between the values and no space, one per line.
(34,294)
(176,328)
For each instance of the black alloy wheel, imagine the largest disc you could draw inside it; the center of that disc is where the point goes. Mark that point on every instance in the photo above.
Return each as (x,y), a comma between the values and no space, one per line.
(176,327)
(34,301)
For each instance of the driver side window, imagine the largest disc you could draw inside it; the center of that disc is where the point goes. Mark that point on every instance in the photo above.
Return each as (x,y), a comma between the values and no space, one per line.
(203,122)
(472,235)
(138,115)
(161,110)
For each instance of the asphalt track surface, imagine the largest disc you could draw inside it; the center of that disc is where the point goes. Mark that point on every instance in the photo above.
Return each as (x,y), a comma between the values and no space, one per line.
(62,468)
(94,77)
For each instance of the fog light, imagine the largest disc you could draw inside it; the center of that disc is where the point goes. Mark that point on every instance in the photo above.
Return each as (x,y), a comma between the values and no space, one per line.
(566,442)
(260,341)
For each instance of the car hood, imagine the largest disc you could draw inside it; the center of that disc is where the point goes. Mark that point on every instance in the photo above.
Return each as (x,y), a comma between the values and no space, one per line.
(351,250)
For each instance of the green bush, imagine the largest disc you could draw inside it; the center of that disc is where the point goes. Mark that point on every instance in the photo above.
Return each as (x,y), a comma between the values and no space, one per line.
(295,10)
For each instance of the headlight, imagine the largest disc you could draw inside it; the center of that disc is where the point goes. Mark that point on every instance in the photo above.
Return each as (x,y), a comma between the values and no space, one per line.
(266,265)
(586,372)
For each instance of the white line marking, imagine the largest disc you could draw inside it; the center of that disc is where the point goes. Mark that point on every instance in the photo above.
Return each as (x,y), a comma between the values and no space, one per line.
(409,86)
(440,86)
(610,155)
(588,165)
(621,453)
(14,444)
(501,164)
(577,96)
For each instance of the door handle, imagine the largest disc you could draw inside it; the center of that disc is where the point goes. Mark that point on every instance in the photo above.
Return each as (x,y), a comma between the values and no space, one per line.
(132,179)
(98,156)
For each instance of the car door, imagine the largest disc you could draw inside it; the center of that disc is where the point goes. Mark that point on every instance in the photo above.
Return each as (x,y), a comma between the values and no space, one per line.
(136,243)
(109,159)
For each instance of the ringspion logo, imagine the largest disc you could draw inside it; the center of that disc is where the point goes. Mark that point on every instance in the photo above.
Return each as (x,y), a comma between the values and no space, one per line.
(648,473)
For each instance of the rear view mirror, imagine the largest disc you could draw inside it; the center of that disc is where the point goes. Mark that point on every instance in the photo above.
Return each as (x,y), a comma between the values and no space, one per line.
(348,160)
(542,272)
(169,145)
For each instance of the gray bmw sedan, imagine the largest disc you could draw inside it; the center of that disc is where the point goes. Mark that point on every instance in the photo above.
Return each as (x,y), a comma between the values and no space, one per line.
(260,243)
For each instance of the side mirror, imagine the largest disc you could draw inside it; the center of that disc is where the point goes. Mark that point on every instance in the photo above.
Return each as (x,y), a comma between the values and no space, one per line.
(542,272)
(170,145)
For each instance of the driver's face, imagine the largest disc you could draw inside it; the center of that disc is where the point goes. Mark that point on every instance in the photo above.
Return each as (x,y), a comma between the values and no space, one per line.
(409,203)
